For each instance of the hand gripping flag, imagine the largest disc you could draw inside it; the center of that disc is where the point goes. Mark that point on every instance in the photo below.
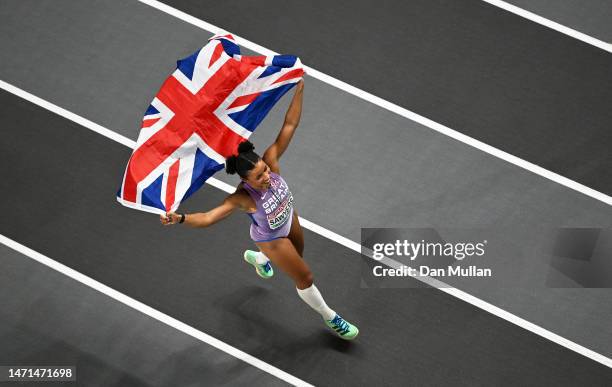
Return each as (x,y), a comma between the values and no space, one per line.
(213,101)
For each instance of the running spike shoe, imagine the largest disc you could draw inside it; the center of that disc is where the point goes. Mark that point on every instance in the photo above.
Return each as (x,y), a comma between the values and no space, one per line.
(263,270)
(343,328)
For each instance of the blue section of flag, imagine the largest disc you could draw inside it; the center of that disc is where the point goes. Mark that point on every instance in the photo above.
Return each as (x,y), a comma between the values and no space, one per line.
(284,60)
(187,65)
(230,47)
(203,168)
(152,194)
(250,117)
(269,71)
(151,110)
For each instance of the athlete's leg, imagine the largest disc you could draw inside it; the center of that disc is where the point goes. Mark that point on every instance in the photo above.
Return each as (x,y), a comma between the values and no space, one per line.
(296,234)
(283,254)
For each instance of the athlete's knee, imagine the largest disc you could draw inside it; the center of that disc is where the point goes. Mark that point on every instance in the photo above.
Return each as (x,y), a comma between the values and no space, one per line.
(305,280)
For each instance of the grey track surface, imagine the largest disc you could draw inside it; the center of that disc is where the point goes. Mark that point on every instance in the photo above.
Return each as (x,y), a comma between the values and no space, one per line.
(50,319)
(400,174)
(411,337)
(591,17)
(476,68)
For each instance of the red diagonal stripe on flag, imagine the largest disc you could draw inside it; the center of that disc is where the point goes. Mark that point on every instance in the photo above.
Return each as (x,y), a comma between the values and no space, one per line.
(216,54)
(171,186)
(244,100)
(290,75)
(149,122)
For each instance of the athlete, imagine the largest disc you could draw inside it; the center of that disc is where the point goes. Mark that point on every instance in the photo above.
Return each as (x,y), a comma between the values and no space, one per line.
(264,195)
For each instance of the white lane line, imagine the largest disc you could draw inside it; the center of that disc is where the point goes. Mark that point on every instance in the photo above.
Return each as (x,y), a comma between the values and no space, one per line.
(333,237)
(154,313)
(551,24)
(67,114)
(395,108)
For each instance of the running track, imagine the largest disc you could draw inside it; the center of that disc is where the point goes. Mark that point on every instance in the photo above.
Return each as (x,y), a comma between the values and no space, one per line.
(542,96)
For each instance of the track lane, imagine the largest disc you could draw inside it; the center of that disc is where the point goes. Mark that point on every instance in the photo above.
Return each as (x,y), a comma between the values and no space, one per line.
(190,274)
(478,69)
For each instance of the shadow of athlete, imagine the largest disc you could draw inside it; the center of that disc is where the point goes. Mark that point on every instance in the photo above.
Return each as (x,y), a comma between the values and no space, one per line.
(265,196)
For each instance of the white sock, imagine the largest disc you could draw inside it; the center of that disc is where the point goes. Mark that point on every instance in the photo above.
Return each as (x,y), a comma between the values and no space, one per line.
(261,259)
(313,297)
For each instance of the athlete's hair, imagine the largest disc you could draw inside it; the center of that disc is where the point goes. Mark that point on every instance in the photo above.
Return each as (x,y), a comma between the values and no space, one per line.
(244,161)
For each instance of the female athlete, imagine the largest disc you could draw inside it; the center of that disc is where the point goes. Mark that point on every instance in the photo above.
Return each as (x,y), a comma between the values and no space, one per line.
(264,195)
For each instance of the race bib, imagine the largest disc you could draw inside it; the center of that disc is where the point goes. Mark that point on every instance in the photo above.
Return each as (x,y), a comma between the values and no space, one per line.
(281,214)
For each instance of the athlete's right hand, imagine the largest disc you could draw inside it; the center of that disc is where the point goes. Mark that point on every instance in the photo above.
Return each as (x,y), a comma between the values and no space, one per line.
(169,218)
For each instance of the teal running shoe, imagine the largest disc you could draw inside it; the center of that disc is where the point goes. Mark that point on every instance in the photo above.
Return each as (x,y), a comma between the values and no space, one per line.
(342,327)
(264,271)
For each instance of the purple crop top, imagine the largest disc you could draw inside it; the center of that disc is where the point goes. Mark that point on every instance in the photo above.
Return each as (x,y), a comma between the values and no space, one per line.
(274,213)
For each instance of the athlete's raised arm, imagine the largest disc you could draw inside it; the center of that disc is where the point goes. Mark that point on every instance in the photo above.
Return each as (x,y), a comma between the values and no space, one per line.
(292,119)
(205,219)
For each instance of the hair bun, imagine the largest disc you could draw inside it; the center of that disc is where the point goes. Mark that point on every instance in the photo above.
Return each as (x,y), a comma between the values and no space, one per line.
(230,164)
(245,146)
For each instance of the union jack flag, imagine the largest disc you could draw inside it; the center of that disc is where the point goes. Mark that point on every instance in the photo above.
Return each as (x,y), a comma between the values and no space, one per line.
(213,101)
